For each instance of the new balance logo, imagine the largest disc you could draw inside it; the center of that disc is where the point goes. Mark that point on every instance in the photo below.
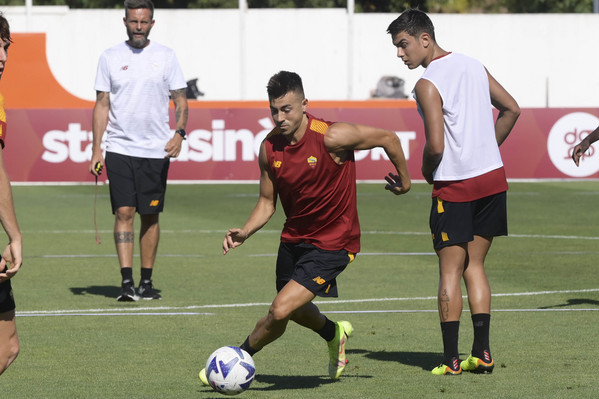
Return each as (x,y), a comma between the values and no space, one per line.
(319,280)
(154,203)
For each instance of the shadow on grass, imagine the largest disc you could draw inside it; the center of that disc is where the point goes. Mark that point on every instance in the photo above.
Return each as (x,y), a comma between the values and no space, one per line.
(573,302)
(424,360)
(281,382)
(108,291)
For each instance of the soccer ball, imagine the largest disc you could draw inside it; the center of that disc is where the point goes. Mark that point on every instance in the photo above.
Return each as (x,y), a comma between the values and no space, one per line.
(230,370)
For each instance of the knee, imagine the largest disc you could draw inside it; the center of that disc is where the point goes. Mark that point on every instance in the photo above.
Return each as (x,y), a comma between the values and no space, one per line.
(278,314)
(14,351)
(125,214)
(11,351)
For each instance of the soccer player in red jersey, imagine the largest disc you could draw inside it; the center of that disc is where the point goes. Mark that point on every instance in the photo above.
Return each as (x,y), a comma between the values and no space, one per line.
(11,259)
(309,164)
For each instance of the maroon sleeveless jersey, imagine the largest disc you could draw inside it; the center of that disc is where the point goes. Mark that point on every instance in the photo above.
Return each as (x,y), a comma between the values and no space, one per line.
(317,195)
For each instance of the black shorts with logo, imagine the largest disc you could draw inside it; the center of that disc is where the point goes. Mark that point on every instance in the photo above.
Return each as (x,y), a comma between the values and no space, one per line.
(454,223)
(137,182)
(7,301)
(314,268)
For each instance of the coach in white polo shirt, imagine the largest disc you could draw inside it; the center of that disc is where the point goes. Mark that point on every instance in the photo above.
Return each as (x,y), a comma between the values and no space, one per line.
(133,84)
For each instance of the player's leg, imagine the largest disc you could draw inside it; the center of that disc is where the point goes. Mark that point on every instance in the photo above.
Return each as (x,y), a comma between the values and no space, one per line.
(309,316)
(292,297)
(148,247)
(148,241)
(9,341)
(150,179)
(317,270)
(451,268)
(479,299)
(477,284)
(449,301)
(490,220)
(122,200)
(123,235)
(124,241)
(451,231)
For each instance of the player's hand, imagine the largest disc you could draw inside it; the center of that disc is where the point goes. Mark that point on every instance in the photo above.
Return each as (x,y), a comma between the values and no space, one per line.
(579,150)
(13,258)
(96,165)
(233,239)
(173,147)
(395,185)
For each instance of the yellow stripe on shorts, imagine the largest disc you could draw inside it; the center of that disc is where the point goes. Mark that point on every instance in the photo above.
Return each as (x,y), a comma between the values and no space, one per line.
(440,208)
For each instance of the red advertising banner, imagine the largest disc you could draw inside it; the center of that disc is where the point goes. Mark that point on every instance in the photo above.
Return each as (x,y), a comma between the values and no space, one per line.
(54,145)
(49,132)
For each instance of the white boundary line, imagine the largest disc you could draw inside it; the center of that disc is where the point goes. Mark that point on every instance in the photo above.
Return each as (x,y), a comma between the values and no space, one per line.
(367,232)
(115,314)
(178,310)
(465,310)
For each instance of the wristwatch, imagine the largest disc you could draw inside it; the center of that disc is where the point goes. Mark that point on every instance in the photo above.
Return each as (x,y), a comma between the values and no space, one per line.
(181,132)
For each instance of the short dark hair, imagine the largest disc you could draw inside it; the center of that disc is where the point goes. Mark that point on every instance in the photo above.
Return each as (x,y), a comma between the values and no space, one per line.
(135,4)
(4,29)
(413,22)
(282,83)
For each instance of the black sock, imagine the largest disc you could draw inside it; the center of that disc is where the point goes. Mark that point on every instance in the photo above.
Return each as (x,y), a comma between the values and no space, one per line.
(450,331)
(481,323)
(127,274)
(246,347)
(146,274)
(327,332)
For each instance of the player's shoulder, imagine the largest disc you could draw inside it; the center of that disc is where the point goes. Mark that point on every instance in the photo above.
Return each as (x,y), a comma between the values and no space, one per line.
(117,47)
(317,124)
(158,47)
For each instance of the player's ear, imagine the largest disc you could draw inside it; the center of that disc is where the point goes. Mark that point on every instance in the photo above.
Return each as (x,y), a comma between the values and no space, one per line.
(304,104)
(425,39)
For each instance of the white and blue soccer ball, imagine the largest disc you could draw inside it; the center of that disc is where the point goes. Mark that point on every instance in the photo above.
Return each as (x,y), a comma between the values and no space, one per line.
(230,370)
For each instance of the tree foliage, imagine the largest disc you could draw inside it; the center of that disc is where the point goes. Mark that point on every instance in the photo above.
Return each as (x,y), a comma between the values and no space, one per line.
(396,6)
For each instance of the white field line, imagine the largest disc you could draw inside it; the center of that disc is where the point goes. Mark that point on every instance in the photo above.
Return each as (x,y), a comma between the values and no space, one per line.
(115,314)
(465,310)
(178,310)
(365,232)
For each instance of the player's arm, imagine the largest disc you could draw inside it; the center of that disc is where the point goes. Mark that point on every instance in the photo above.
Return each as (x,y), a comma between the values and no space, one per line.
(509,110)
(13,253)
(99,122)
(584,145)
(431,107)
(342,137)
(263,211)
(179,97)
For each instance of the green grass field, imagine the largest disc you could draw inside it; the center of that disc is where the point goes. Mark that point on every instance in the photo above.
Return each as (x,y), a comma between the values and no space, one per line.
(78,342)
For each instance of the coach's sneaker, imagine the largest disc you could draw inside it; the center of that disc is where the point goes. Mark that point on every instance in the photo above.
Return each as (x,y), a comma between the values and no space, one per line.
(337,360)
(147,291)
(452,369)
(203,378)
(127,292)
(479,365)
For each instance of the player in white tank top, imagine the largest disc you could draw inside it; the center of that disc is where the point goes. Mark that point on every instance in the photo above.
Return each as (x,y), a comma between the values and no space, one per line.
(470,146)
(454,97)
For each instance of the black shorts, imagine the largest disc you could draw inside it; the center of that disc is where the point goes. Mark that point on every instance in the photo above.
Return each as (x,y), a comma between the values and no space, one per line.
(454,223)
(7,301)
(314,268)
(137,182)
